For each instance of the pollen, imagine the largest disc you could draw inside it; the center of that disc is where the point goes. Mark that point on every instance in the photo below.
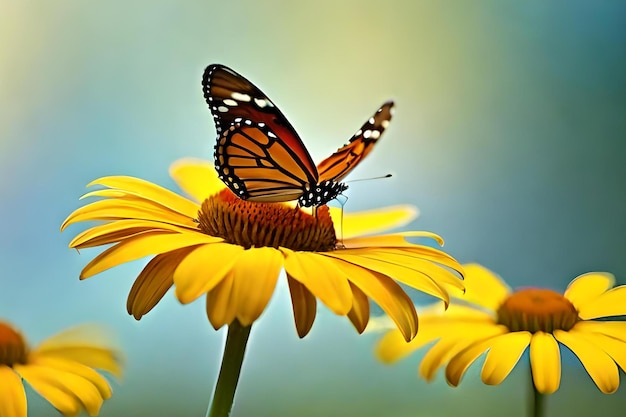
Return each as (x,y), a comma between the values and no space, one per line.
(253,224)
(536,310)
(12,346)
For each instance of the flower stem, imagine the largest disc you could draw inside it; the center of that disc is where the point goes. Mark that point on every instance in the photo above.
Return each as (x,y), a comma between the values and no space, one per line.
(536,399)
(229,372)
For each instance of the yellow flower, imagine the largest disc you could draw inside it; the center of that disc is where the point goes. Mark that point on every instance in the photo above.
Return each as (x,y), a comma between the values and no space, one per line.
(491,318)
(233,251)
(61,369)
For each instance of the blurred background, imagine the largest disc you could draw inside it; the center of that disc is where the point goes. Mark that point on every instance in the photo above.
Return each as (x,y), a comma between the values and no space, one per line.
(509,136)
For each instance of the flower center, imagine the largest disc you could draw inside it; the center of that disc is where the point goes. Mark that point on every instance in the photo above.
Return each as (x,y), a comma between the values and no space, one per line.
(12,346)
(249,224)
(536,310)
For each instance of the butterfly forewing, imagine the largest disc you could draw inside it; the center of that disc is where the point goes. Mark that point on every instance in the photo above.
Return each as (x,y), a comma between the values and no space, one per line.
(232,98)
(340,163)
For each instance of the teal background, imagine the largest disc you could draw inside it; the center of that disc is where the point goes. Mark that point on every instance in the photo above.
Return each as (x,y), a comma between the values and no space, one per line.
(509,135)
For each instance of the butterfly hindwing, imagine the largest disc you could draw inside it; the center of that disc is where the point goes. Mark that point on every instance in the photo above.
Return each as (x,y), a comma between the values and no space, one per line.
(340,163)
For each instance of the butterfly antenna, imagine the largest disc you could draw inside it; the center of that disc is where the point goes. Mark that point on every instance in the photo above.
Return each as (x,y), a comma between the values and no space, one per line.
(371,178)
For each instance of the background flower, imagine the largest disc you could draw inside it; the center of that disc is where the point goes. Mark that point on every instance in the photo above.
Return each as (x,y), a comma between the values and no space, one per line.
(62,369)
(491,318)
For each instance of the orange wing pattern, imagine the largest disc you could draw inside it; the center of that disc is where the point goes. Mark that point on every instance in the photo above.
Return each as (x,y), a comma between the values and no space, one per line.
(259,155)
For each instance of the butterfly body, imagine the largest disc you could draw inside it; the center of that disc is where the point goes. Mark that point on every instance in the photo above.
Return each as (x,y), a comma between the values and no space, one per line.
(259,155)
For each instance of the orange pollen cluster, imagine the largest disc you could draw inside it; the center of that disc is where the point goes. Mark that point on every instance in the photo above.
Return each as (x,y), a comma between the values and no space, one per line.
(12,346)
(536,310)
(251,224)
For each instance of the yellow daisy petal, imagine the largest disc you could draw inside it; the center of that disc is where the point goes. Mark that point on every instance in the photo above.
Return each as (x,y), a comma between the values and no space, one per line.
(387,294)
(122,209)
(393,346)
(220,305)
(483,287)
(154,281)
(255,274)
(148,243)
(203,268)
(75,368)
(503,355)
(119,230)
(448,349)
(586,287)
(65,391)
(600,367)
(12,394)
(382,265)
(371,221)
(359,315)
(196,177)
(390,240)
(322,277)
(614,329)
(545,362)
(610,303)
(149,191)
(615,348)
(304,306)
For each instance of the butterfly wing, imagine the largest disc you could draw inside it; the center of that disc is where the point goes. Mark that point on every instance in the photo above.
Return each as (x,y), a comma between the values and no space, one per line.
(232,98)
(257,165)
(339,164)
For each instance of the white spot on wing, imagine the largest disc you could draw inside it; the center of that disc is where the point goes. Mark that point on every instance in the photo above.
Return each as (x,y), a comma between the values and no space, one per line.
(240,97)
(367,134)
(230,102)
(261,102)
(371,120)
(375,134)
(222,109)
(385,124)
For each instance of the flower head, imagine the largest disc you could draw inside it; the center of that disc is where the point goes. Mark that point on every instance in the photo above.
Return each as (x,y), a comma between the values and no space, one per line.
(233,251)
(61,369)
(491,318)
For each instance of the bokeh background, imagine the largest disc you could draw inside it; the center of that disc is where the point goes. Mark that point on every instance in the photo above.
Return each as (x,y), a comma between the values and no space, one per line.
(509,135)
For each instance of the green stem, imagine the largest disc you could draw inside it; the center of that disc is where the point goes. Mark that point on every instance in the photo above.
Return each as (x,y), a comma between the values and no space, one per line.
(537,400)
(229,372)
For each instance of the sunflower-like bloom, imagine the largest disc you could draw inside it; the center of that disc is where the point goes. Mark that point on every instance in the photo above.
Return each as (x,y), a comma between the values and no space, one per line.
(491,318)
(233,251)
(60,369)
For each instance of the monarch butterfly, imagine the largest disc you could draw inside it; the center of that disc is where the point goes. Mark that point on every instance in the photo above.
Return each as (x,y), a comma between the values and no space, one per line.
(259,155)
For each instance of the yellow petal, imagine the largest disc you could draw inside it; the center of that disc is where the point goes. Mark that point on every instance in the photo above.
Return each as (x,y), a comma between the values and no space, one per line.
(457,337)
(393,346)
(196,177)
(119,230)
(360,313)
(426,253)
(614,329)
(67,392)
(255,274)
(148,243)
(321,276)
(149,191)
(387,294)
(90,345)
(349,225)
(304,306)
(12,394)
(545,362)
(154,281)
(483,287)
(220,307)
(381,264)
(586,287)
(504,353)
(610,303)
(390,240)
(600,367)
(203,268)
(123,209)
(615,348)
(75,368)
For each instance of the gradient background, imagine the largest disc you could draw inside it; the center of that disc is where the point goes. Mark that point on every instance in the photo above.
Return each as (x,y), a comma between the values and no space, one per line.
(509,135)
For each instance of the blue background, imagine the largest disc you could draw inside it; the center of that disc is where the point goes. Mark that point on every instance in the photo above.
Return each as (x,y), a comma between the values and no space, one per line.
(509,135)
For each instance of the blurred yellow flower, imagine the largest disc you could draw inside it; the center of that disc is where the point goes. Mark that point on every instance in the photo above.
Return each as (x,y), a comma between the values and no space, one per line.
(491,318)
(61,369)
(233,251)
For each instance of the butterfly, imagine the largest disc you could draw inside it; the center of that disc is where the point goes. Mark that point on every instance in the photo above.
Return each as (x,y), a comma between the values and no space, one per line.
(259,155)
